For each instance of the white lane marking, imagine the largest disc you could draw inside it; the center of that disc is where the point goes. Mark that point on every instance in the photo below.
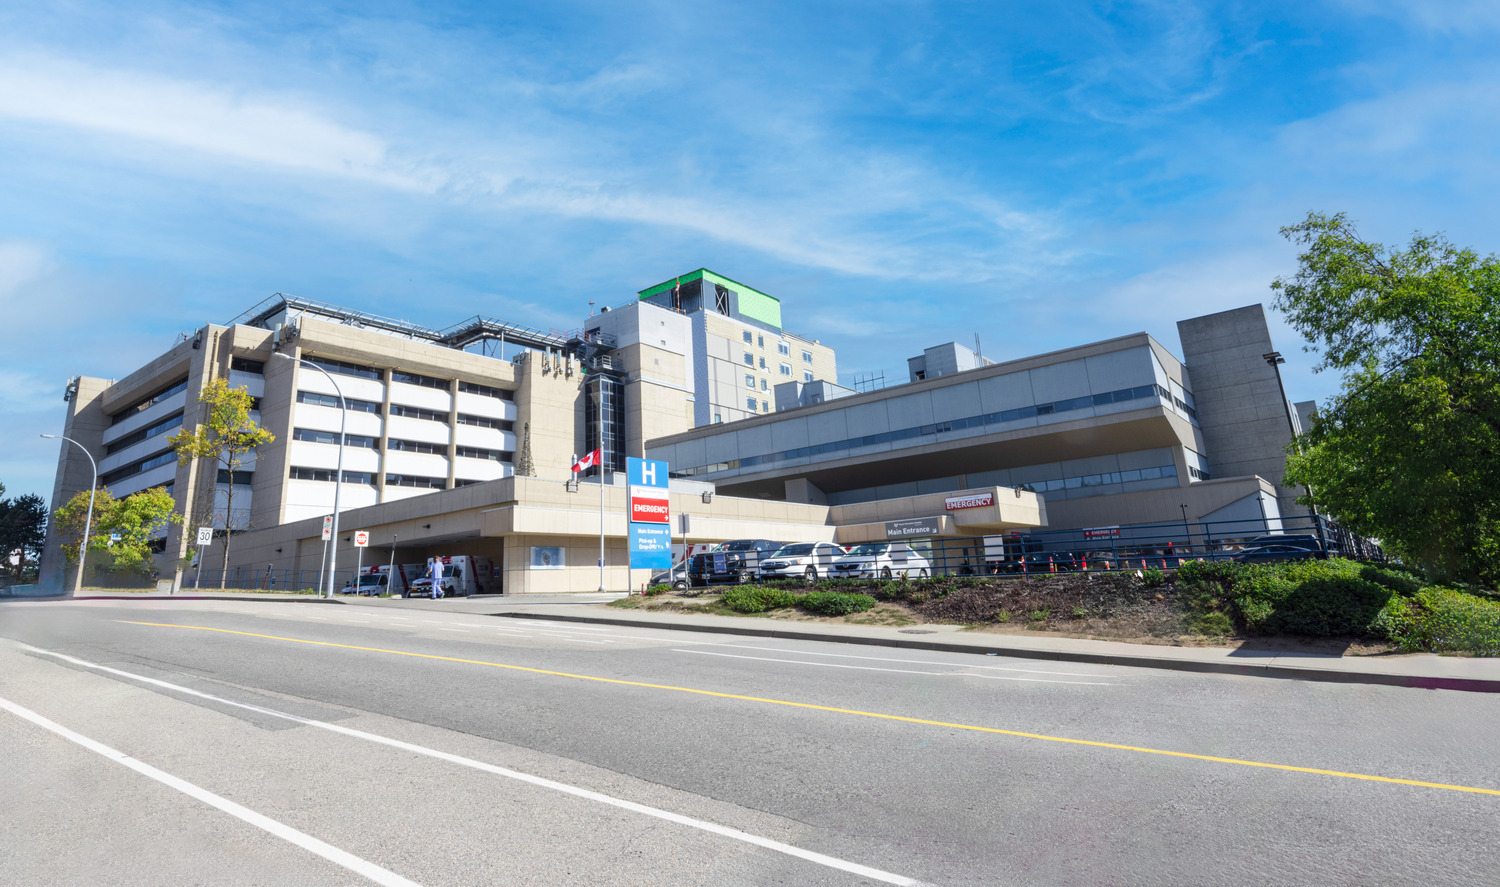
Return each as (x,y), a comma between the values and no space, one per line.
(464,630)
(941,674)
(1076,674)
(700,824)
(324,618)
(566,626)
(285,832)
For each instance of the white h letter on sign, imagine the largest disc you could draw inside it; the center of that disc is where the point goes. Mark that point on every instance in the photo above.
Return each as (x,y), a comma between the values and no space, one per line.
(648,473)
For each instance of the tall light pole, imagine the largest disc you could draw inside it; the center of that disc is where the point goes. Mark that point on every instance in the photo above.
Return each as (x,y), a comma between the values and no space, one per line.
(338,477)
(88,521)
(599,408)
(1275,359)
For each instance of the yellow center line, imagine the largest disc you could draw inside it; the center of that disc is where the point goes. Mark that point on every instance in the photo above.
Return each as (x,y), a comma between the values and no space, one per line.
(847,711)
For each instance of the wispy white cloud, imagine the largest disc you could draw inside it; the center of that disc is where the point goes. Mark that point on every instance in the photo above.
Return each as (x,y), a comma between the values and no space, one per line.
(1447,17)
(226,122)
(826,222)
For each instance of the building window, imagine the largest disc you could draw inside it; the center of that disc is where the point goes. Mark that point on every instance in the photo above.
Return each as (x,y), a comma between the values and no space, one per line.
(345,369)
(749,381)
(718,417)
(807,376)
(762,363)
(807,357)
(486,422)
(328,400)
(783,349)
(748,339)
(417,446)
(152,401)
(245,365)
(480,453)
(418,413)
(136,437)
(750,404)
(326,475)
(786,370)
(486,390)
(749,359)
(415,379)
(763,385)
(409,480)
(760,341)
(331,437)
(765,407)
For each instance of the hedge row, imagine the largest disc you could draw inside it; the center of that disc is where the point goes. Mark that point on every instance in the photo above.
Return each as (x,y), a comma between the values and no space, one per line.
(761,599)
(1344,598)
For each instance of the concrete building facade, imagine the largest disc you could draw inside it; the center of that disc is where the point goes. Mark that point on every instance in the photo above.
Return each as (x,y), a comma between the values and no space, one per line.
(460,441)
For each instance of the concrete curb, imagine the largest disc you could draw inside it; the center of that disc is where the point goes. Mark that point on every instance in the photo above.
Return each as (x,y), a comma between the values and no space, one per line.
(1287,672)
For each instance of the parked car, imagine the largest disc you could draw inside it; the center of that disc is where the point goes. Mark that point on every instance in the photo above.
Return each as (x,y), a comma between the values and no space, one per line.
(735,561)
(802,560)
(881,560)
(675,577)
(1297,540)
(1272,554)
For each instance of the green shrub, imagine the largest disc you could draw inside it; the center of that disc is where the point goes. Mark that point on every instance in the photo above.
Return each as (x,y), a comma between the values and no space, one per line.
(835,603)
(1153,578)
(1211,623)
(758,598)
(1312,597)
(1441,620)
(654,590)
(1002,616)
(1402,581)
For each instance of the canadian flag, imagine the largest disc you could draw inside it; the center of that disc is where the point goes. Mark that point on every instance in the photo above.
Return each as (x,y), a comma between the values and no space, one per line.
(586,462)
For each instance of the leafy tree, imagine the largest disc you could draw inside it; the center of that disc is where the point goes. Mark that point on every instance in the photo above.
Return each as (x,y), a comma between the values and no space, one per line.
(23,528)
(136,519)
(1409,450)
(226,438)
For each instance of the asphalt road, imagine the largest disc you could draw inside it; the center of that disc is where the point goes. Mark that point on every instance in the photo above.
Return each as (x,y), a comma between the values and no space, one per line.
(218,742)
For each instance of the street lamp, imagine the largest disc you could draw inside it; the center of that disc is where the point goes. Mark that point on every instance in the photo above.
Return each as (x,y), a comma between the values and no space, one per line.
(88,521)
(338,477)
(1275,359)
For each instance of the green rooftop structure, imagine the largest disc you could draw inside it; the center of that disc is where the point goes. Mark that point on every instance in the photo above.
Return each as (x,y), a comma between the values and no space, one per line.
(703,290)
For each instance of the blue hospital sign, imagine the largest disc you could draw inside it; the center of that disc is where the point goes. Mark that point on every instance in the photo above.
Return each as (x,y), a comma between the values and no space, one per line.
(650,547)
(650,514)
(646,472)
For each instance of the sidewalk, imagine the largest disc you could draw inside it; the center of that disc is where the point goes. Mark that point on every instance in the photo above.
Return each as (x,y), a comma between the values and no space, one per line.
(1420,670)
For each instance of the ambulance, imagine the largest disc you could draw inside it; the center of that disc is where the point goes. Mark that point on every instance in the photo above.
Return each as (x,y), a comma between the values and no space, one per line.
(377,580)
(462,575)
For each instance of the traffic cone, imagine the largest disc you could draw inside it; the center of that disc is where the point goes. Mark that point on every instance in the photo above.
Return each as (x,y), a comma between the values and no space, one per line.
(1051,565)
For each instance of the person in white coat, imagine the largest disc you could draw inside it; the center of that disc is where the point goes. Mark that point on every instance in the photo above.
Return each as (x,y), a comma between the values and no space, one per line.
(437,578)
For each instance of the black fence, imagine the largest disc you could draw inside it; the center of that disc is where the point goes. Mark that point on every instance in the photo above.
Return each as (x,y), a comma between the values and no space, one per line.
(245,578)
(1140,547)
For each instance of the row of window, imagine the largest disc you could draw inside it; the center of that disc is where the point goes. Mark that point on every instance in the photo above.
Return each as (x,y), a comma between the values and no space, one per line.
(1142,392)
(369,372)
(326,475)
(135,468)
(409,412)
(328,400)
(1199,474)
(246,365)
(136,437)
(765,407)
(148,402)
(782,348)
(393,444)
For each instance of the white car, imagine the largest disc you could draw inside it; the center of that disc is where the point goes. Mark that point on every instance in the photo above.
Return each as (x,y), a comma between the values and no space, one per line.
(881,560)
(801,560)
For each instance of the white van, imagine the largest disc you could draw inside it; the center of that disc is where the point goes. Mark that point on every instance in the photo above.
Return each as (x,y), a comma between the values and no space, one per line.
(463,575)
(881,560)
(377,580)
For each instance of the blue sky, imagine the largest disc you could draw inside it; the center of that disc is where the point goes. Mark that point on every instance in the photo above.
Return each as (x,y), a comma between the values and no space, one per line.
(899,174)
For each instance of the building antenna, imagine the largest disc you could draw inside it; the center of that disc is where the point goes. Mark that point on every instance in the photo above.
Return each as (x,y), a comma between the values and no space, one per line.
(591,307)
(977,350)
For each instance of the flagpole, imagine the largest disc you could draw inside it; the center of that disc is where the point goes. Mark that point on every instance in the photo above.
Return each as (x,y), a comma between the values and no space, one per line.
(600,411)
